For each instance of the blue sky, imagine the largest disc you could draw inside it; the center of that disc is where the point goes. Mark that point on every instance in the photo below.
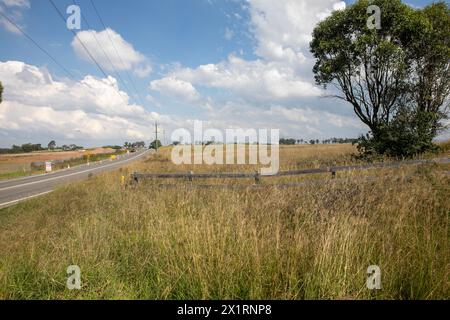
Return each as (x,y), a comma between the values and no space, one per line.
(230,63)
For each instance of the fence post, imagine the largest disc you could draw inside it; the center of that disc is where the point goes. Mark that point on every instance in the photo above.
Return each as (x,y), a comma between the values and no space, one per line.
(257,177)
(191,173)
(135,177)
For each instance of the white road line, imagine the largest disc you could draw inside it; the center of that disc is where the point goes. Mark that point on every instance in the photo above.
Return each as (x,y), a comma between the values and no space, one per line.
(48,174)
(72,174)
(22,199)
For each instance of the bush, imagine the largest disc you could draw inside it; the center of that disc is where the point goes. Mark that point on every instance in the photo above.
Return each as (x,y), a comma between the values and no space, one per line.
(408,134)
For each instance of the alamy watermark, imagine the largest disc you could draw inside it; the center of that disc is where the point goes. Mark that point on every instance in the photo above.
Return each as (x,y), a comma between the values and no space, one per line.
(373,281)
(229,148)
(374,21)
(73,22)
(74,279)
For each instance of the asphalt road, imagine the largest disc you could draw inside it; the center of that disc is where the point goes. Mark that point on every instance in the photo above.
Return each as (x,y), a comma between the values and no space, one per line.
(16,190)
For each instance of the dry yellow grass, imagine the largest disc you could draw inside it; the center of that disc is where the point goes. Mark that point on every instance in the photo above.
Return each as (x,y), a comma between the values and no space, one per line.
(298,243)
(22,161)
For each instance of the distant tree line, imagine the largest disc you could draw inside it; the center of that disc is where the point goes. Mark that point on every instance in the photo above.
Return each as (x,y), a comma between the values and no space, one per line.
(32,147)
(27,147)
(291,141)
(71,147)
(1,92)
(133,145)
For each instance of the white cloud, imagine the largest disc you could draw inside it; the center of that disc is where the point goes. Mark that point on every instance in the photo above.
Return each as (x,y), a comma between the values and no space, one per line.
(278,84)
(111,51)
(143,71)
(229,34)
(256,80)
(14,15)
(178,89)
(283,28)
(16,3)
(282,72)
(35,105)
(181,91)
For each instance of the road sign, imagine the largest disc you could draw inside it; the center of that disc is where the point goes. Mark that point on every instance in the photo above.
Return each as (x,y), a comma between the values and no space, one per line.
(48,166)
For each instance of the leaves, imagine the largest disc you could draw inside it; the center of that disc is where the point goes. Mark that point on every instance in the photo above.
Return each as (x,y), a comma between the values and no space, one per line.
(404,66)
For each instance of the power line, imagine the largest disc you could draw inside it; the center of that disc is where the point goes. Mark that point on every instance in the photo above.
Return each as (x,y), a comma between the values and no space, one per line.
(117,52)
(85,48)
(103,50)
(37,45)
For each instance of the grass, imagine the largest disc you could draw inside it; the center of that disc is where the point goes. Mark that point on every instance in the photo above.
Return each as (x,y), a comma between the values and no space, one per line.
(58,166)
(314,242)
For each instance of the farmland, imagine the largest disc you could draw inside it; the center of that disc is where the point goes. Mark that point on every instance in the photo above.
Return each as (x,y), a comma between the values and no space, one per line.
(15,165)
(312,242)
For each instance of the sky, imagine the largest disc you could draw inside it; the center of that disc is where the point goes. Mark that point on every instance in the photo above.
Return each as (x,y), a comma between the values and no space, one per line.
(229,63)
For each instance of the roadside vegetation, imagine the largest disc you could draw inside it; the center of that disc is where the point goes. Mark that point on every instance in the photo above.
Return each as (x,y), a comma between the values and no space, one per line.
(17,167)
(309,242)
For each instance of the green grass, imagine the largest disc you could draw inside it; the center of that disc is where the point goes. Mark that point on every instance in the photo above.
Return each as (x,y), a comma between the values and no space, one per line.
(314,242)
(12,175)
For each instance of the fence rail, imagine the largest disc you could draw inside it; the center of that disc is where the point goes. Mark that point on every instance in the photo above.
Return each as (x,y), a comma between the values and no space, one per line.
(136,176)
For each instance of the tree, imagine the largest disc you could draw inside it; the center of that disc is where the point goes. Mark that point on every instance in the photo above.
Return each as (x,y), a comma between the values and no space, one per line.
(430,80)
(1,92)
(367,66)
(51,145)
(396,78)
(156,144)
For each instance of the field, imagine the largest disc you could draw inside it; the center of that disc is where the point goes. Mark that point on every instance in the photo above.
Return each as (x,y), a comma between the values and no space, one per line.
(15,165)
(310,242)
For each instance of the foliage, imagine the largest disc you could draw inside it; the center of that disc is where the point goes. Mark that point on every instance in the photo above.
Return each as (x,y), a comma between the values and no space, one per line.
(287,141)
(132,145)
(52,145)
(156,144)
(396,78)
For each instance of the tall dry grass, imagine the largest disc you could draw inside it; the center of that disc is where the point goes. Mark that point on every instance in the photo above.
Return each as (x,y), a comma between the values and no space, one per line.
(312,242)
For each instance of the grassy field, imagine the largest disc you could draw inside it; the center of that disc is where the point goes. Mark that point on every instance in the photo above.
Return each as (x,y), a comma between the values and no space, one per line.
(20,164)
(312,242)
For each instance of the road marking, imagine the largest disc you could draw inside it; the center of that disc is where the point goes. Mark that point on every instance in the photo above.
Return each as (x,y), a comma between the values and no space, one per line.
(73,174)
(23,199)
(49,174)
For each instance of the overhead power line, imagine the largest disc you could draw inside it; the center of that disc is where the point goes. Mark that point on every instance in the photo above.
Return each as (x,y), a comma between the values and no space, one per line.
(117,52)
(86,49)
(103,50)
(40,47)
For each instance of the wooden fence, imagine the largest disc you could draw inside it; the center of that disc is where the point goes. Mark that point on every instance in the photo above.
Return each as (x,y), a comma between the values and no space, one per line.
(190,176)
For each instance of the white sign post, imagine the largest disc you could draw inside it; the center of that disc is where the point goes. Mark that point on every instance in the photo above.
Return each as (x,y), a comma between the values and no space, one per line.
(48,166)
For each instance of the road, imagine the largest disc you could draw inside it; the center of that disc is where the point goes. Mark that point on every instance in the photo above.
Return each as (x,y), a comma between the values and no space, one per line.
(16,190)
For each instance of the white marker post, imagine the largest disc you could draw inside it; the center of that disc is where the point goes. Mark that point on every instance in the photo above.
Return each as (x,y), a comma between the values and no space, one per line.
(48,166)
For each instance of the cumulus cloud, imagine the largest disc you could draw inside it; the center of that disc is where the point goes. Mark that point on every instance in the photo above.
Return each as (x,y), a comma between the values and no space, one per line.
(38,108)
(282,72)
(255,80)
(15,15)
(181,91)
(283,28)
(35,105)
(111,51)
(176,88)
